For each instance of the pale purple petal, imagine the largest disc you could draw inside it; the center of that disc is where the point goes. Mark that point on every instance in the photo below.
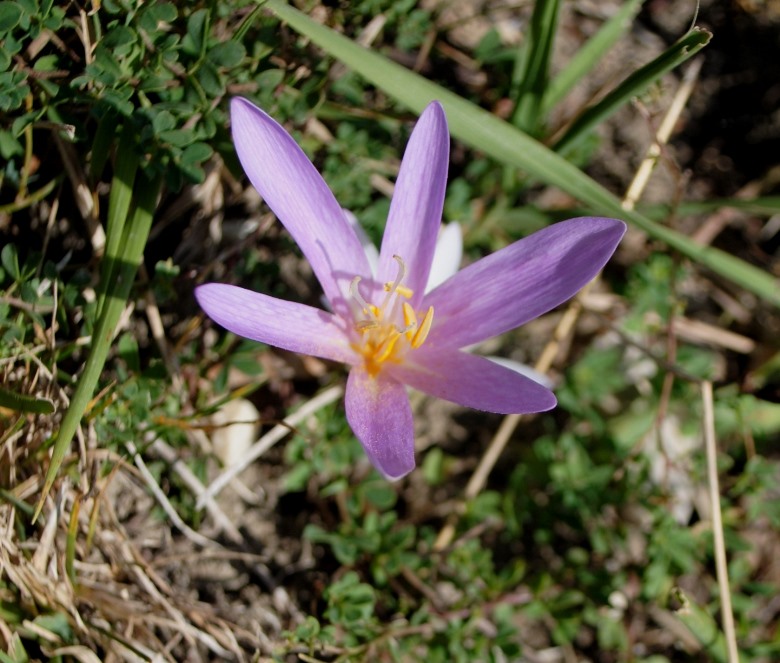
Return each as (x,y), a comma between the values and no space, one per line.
(473,381)
(520,282)
(418,200)
(379,413)
(287,325)
(524,369)
(295,191)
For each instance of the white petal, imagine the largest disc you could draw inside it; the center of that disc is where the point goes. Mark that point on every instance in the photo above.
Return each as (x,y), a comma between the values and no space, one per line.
(447,255)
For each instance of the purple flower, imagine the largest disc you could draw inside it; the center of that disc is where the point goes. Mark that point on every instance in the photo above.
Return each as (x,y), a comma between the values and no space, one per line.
(389,331)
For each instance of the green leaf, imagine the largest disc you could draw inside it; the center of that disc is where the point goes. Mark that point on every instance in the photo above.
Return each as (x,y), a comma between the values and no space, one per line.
(122,183)
(163,121)
(534,64)
(120,40)
(196,153)
(634,85)
(209,78)
(227,54)
(17,652)
(309,629)
(156,14)
(127,349)
(10,260)
(9,146)
(703,627)
(25,403)
(105,67)
(590,54)
(56,623)
(46,63)
(761,417)
(123,256)
(177,137)
(194,42)
(5,57)
(10,15)
(13,89)
(761,206)
(484,131)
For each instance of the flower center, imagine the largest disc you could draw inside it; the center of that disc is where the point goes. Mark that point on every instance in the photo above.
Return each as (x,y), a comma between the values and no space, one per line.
(387,332)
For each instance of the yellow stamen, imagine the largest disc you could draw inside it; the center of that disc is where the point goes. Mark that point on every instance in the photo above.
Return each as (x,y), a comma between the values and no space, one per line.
(366,325)
(425,327)
(387,347)
(410,317)
(401,290)
(380,327)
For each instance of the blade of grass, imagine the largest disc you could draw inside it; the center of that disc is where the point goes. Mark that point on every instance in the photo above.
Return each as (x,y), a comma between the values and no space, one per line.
(634,85)
(125,170)
(586,59)
(25,403)
(532,71)
(761,206)
(486,132)
(123,270)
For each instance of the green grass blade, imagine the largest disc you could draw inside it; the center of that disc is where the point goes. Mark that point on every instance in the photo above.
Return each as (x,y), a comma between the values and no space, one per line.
(123,269)
(502,141)
(534,65)
(125,170)
(25,403)
(634,85)
(761,206)
(586,59)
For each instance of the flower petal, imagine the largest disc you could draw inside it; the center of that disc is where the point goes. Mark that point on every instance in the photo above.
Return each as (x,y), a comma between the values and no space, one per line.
(295,191)
(287,325)
(520,282)
(379,413)
(524,369)
(447,255)
(416,209)
(473,381)
(372,253)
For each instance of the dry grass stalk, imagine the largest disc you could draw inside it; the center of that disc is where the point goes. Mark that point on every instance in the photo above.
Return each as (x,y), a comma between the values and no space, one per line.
(721,565)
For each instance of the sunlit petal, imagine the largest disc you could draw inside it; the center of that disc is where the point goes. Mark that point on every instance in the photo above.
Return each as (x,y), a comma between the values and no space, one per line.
(475,382)
(283,324)
(520,282)
(295,191)
(416,209)
(379,413)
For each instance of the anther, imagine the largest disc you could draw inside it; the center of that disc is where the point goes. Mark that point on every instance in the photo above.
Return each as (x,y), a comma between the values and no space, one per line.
(386,349)
(425,326)
(410,317)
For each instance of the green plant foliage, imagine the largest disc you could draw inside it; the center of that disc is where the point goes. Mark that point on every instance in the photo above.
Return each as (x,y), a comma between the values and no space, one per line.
(573,549)
(161,66)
